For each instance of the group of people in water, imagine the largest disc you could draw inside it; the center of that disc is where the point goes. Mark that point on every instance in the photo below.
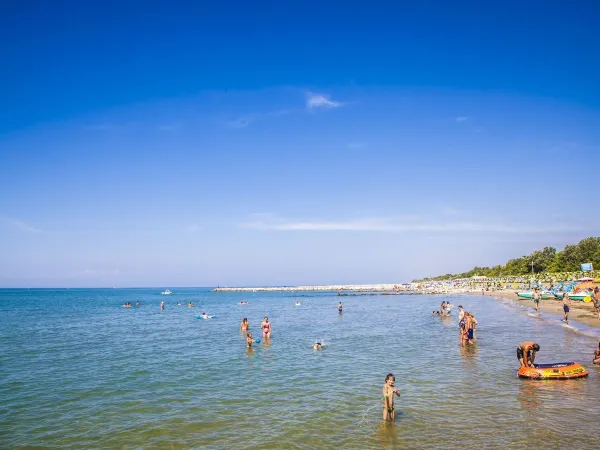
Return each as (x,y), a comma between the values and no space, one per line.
(466,322)
(128,304)
(265,327)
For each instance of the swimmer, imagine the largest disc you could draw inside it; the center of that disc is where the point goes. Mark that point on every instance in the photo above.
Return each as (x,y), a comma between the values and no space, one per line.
(265,326)
(388,397)
(597,355)
(162,306)
(243,303)
(138,304)
(249,340)
(435,313)
(340,307)
(190,305)
(178,304)
(127,305)
(317,346)
(526,353)
(244,325)
(298,303)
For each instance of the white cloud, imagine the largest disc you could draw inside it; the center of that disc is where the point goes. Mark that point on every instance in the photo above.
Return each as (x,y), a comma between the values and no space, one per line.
(314,101)
(461,119)
(396,225)
(22,226)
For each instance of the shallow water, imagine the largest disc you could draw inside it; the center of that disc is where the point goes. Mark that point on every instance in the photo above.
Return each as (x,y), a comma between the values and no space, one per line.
(80,371)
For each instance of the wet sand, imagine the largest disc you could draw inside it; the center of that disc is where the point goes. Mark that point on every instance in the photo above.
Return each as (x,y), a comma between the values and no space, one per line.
(579,311)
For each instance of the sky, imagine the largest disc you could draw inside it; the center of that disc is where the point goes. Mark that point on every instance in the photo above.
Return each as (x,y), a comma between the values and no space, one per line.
(284,143)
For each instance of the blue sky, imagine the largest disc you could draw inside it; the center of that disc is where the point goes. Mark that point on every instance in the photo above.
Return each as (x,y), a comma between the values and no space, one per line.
(188,144)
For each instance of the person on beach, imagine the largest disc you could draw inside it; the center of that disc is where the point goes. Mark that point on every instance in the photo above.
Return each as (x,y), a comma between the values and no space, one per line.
(265,326)
(536,299)
(388,397)
(597,355)
(566,309)
(340,307)
(249,340)
(596,299)
(244,325)
(162,306)
(526,353)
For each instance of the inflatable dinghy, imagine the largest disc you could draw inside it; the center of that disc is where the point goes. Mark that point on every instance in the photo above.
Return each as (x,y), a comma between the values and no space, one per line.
(556,371)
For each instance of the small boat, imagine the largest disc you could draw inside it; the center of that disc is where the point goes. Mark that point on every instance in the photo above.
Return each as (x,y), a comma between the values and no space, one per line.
(581,297)
(166,292)
(544,295)
(555,371)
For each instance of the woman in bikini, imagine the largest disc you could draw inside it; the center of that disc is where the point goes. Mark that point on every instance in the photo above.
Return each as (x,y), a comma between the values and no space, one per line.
(244,325)
(266,328)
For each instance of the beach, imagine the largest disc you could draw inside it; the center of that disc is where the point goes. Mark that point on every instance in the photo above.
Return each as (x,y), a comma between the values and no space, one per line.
(579,311)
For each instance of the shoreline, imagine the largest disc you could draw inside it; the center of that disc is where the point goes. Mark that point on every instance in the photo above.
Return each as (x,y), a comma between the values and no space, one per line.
(580,312)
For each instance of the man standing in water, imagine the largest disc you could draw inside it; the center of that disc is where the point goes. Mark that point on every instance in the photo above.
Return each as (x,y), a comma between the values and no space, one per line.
(340,307)
(526,353)
(536,300)
(566,309)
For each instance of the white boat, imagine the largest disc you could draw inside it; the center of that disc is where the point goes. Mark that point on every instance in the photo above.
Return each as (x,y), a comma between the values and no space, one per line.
(166,292)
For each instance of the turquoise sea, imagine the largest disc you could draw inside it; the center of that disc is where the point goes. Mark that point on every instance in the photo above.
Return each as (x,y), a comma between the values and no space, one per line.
(77,370)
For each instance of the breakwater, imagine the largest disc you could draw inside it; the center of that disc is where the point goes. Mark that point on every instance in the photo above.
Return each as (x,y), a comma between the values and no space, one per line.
(326,288)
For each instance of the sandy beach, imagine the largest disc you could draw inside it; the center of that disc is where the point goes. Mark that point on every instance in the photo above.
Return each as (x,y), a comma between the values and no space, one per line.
(579,311)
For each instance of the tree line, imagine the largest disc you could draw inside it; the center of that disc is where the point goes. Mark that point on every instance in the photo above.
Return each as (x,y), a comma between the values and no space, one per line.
(544,261)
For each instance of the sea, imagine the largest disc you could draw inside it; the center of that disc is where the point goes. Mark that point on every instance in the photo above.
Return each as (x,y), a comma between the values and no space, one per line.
(78,370)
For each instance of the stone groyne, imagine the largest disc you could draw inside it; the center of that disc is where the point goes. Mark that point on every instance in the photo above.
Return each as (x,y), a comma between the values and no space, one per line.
(335,287)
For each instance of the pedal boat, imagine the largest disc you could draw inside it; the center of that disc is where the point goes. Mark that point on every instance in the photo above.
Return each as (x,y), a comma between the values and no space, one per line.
(555,371)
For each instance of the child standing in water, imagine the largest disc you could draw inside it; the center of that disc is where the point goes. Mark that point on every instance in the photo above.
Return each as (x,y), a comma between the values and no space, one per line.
(388,397)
